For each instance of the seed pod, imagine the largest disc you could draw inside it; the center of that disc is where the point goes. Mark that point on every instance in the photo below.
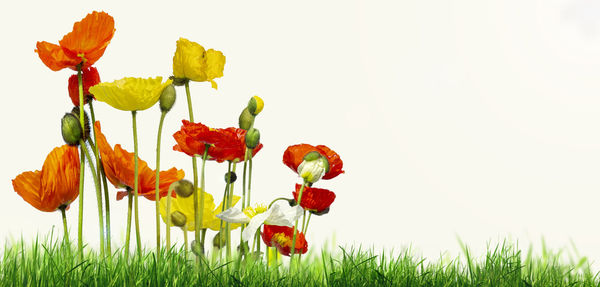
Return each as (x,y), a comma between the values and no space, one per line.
(230,177)
(184,188)
(178,219)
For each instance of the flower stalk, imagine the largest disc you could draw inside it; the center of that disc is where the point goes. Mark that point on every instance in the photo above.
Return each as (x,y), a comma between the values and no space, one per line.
(136,183)
(157,185)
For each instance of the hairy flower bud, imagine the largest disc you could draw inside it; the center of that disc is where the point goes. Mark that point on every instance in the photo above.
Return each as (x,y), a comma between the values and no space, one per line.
(197,248)
(183,188)
(71,129)
(255,105)
(86,122)
(230,177)
(178,219)
(178,81)
(167,98)
(246,119)
(219,240)
(252,138)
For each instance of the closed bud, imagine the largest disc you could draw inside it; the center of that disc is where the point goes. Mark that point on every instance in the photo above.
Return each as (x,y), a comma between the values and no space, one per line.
(230,177)
(246,119)
(252,138)
(86,122)
(71,129)
(313,167)
(255,105)
(197,248)
(178,219)
(167,98)
(183,188)
(219,240)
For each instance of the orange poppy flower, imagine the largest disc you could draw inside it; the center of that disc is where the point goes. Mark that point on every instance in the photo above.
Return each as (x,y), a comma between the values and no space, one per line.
(294,155)
(226,144)
(119,166)
(85,44)
(316,200)
(90,78)
(57,185)
(282,237)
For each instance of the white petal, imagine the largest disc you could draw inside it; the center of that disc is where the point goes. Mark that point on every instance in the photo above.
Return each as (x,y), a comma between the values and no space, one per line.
(284,216)
(234,215)
(254,225)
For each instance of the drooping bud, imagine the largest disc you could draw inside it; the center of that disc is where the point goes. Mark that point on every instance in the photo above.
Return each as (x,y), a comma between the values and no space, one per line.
(167,98)
(246,119)
(252,138)
(178,219)
(86,122)
(255,105)
(178,81)
(313,167)
(183,188)
(197,248)
(230,177)
(219,240)
(71,129)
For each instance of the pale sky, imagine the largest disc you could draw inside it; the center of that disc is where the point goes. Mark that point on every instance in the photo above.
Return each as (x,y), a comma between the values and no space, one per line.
(470,119)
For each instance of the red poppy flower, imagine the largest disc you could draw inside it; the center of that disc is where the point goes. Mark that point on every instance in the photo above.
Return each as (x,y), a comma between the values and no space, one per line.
(119,166)
(56,185)
(294,155)
(314,199)
(282,237)
(90,78)
(85,44)
(225,144)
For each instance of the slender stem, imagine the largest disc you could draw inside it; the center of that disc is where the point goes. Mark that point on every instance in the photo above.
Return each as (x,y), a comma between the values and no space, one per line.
(189,101)
(249,176)
(169,220)
(81,169)
(229,204)
(157,185)
(64,220)
(185,239)
(195,168)
(223,204)
(135,184)
(307,222)
(200,215)
(296,225)
(244,180)
(128,234)
(98,195)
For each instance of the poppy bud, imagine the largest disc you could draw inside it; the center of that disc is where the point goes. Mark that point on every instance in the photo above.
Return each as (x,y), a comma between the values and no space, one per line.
(313,167)
(219,240)
(71,129)
(86,122)
(167,98)
(252,138)
(230,177)
(178,219)
(183,188)
(197,248)
(246,119)
(255,105)
(178,81)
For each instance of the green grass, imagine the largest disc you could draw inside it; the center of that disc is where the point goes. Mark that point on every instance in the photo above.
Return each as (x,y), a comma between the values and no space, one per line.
(49,263)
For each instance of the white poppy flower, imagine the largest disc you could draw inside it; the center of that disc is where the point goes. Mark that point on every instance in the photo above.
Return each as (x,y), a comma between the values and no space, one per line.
(255,217)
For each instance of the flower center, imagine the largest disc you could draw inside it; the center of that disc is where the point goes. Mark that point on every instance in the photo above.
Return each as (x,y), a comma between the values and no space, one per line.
(253,211)
(281,239)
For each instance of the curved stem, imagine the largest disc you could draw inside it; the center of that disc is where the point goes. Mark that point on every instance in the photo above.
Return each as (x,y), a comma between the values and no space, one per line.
(128,234)
(98,195)
(135,184)
(81,169)
(157,185)
(102,175)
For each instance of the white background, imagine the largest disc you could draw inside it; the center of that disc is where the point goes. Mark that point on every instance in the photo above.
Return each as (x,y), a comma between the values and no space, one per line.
(470,119)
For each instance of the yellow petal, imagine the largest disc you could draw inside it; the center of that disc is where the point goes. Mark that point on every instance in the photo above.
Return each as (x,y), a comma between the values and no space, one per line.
(191,61)
(130,94)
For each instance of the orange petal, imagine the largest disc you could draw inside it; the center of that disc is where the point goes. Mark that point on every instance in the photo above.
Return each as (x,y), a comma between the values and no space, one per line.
(53,56)
(89,37)
(29,185)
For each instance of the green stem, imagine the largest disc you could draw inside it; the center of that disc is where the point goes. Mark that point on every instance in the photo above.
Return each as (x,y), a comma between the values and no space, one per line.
(98,195)
(64,220)
(295,226)
(82,168)
(169,219)
(102,175)
(185,239)
(80,219)
(200,215)
(135,184)
(195,168)
(128,234)
(223,206)
(249,177)
(189,101)
(228,226)
(157,185)
(307,222)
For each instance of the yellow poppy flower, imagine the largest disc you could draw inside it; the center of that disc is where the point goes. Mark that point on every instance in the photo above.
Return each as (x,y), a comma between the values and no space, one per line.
(130,94)
(186,206)
(192,62)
